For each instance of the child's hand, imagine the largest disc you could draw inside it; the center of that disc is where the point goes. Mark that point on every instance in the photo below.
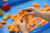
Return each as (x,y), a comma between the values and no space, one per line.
(31,9)
(22,26)
(35,12)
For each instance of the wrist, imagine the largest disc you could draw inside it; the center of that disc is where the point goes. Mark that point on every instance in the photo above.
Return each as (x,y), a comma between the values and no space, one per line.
(25,31)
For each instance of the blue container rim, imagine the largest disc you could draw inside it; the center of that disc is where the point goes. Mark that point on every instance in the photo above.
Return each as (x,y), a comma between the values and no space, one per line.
(41,28)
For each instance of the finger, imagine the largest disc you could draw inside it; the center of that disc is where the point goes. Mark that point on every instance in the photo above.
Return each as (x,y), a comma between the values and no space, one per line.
(24,20)
(31,8)
(19,21)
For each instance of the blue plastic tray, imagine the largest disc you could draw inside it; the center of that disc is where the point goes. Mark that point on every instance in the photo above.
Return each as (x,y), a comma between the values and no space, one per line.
(42,29)
(14,10)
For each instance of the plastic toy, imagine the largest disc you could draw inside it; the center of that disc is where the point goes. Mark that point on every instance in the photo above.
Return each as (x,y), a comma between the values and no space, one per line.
(45,5)
(30,16)
(47,8)
(31,24)
(36,5)
(7,16)
(1,12)
(13,28)
(2,24)
(21,17)
(13,16)
(6,7)
(27,19)
(36,24)
(21,12)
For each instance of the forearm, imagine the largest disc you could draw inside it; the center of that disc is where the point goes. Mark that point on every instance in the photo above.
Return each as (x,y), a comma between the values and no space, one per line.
(43,14)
